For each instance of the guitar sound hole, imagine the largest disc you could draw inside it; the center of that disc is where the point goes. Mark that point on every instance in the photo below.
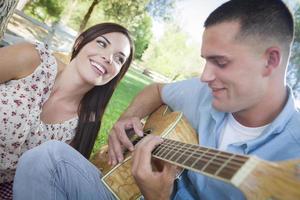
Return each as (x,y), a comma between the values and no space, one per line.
(148,131)
(134,138)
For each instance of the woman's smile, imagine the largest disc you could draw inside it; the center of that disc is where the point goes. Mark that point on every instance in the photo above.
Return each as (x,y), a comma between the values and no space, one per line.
(98,68)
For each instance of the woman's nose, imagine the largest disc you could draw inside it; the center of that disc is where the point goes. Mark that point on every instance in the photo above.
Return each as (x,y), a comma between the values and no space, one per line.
(108,58)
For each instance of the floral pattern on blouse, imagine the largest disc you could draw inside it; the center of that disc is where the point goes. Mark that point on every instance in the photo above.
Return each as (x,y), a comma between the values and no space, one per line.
(21,104)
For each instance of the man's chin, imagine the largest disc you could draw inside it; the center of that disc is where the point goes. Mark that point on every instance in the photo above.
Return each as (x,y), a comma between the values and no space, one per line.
(221,107)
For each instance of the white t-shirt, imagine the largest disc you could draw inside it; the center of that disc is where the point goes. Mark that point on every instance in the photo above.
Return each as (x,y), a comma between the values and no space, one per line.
(234,132)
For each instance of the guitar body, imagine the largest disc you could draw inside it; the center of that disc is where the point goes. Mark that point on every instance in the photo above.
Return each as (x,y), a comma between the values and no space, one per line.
(162,122)
(256,178)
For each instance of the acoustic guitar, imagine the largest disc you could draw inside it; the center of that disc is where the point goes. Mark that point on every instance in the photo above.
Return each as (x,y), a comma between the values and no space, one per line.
(256,178)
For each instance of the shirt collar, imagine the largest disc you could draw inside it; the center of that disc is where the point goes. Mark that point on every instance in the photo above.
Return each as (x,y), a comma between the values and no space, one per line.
(275,127)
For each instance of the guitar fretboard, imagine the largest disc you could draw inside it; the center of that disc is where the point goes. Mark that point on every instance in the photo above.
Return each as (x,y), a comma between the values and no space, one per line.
(211,162)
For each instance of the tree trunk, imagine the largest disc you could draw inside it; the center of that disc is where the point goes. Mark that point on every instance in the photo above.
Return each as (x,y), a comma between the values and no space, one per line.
(69,11)
(88,15)
(22,4)
(7,8)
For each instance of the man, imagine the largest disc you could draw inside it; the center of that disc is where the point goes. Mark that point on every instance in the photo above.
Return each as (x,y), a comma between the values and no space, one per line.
(241,104)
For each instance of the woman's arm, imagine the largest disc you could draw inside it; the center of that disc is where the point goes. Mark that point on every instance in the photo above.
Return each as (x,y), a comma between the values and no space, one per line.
(18,61)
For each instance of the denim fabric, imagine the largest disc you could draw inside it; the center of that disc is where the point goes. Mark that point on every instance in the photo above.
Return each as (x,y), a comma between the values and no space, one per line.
(56,171)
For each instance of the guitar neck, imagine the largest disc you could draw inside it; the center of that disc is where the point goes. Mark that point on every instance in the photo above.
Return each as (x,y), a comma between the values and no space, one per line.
(211,162)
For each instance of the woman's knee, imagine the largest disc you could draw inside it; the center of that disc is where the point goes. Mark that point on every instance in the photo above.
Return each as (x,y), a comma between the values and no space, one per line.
(45,152)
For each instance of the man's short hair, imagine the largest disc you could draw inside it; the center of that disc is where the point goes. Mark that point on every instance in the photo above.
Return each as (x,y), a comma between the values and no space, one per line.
(267,19)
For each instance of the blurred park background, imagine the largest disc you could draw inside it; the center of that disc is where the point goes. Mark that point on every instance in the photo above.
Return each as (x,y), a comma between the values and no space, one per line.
(167,35)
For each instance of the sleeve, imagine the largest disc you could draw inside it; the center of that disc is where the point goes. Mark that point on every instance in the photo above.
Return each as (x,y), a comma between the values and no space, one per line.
(189,96)
(42,80)
(184,94)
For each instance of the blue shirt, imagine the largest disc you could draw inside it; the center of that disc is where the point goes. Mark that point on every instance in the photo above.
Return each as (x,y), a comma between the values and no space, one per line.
(279,141)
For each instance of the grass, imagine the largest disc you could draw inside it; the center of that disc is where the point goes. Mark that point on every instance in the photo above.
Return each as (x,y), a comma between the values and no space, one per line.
(130,85)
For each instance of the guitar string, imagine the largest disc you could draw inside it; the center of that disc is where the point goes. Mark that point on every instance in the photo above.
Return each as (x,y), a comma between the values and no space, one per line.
(201,149)
(198,149)
(220,169)
(196,159)
(197,153)
(215,161)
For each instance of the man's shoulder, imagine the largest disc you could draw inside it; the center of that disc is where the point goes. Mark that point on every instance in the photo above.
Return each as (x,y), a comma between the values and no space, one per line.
(192,84)
(293,127)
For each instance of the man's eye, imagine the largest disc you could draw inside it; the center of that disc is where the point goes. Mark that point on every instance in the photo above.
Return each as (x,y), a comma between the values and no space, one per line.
(221,64)
(101,43)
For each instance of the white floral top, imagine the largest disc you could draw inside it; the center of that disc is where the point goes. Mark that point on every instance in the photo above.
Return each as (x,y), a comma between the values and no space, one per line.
(21,104)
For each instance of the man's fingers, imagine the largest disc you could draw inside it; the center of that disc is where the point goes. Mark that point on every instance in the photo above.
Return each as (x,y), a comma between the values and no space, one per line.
(170,170)
(119,139)
(144,149)
(138,127)
(123,138)
(114,148)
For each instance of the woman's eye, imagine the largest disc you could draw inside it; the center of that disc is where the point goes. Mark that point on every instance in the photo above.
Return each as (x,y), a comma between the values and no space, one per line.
(119,60)
(101,43)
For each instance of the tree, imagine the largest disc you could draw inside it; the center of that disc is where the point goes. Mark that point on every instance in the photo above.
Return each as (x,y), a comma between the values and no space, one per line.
(22,4)
(142,36)
(133,15)
(46,10)
(293,77)
(173,55)
(88,15)
(67,13)
(161,10)
(7,8)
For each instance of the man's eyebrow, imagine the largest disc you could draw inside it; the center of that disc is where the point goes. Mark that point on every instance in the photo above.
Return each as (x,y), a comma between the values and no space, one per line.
(213,57)
(105,39)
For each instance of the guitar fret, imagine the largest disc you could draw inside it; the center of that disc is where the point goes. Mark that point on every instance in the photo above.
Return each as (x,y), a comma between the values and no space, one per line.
(179,149)
(164,149)
(170,153)
(187,153)
(224,164)
(211,161)
(182,154)
(198,159)
(211,167)
(226,171)
(161,151)
(189,159)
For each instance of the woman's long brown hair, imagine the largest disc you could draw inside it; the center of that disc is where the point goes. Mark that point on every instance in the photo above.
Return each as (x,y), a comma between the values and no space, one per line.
(94,102)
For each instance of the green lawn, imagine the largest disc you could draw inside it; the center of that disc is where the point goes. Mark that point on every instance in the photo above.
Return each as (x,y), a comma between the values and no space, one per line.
(132,83)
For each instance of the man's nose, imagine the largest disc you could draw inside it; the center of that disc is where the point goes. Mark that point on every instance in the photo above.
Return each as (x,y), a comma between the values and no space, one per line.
(208,73)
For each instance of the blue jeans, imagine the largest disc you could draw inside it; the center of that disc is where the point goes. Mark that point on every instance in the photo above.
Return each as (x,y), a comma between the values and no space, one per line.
(54,170)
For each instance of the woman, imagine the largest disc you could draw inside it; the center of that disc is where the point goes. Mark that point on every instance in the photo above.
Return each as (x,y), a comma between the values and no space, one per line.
(43,99)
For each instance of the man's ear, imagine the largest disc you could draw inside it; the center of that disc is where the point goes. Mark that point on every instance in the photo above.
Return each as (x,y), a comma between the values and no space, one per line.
(273,60)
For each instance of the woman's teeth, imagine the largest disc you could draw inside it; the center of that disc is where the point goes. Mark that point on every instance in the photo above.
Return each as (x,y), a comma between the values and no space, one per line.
(98,67)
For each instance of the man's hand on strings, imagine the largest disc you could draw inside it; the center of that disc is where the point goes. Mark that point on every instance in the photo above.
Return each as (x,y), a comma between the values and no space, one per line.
(118,140)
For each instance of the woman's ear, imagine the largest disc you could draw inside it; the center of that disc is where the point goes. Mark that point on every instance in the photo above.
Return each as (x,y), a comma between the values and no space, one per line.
(273,60)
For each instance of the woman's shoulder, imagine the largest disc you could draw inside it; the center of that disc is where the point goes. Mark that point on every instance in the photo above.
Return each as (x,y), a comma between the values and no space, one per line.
(18,61)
